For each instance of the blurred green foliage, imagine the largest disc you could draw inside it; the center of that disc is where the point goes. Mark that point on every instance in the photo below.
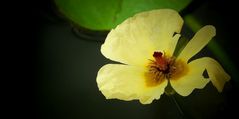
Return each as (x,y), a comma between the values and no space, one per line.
(107,14)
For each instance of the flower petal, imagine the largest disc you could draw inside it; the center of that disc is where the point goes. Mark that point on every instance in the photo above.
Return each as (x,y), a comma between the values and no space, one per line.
(184,85)
(135,40)
(126,82)
(200,39)
(215,71)
(195,79)
(172,45)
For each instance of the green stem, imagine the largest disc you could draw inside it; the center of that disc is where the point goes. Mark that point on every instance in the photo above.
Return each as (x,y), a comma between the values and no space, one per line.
(177,105)
(169,91)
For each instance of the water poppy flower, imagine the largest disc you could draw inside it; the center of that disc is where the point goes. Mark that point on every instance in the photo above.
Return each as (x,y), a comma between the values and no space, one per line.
(144,45)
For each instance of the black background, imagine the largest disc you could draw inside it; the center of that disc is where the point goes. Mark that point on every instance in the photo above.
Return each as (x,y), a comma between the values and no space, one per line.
(52,71)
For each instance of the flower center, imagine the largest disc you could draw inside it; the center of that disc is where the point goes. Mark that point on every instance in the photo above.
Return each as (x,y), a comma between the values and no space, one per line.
(163,67)
(161,63)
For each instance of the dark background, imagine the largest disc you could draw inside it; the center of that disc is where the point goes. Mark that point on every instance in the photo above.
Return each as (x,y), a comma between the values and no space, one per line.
(56,69)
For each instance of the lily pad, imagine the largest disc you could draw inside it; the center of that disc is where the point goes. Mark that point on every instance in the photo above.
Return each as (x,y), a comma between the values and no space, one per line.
(107,14)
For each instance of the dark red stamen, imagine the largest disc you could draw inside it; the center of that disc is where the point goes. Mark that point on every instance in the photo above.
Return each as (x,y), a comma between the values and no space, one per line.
(157,54)
(161,61)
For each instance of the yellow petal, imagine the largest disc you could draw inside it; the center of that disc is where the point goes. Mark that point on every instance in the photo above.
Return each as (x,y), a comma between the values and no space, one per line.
(200,39)
(194,78)
(215,71)
(172,45)
(126,82)
(135,40)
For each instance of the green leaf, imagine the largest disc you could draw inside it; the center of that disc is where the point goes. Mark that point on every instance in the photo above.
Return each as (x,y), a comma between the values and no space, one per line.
(107,14)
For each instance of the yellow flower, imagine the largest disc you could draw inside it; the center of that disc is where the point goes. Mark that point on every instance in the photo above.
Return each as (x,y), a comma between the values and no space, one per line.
(144,44)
